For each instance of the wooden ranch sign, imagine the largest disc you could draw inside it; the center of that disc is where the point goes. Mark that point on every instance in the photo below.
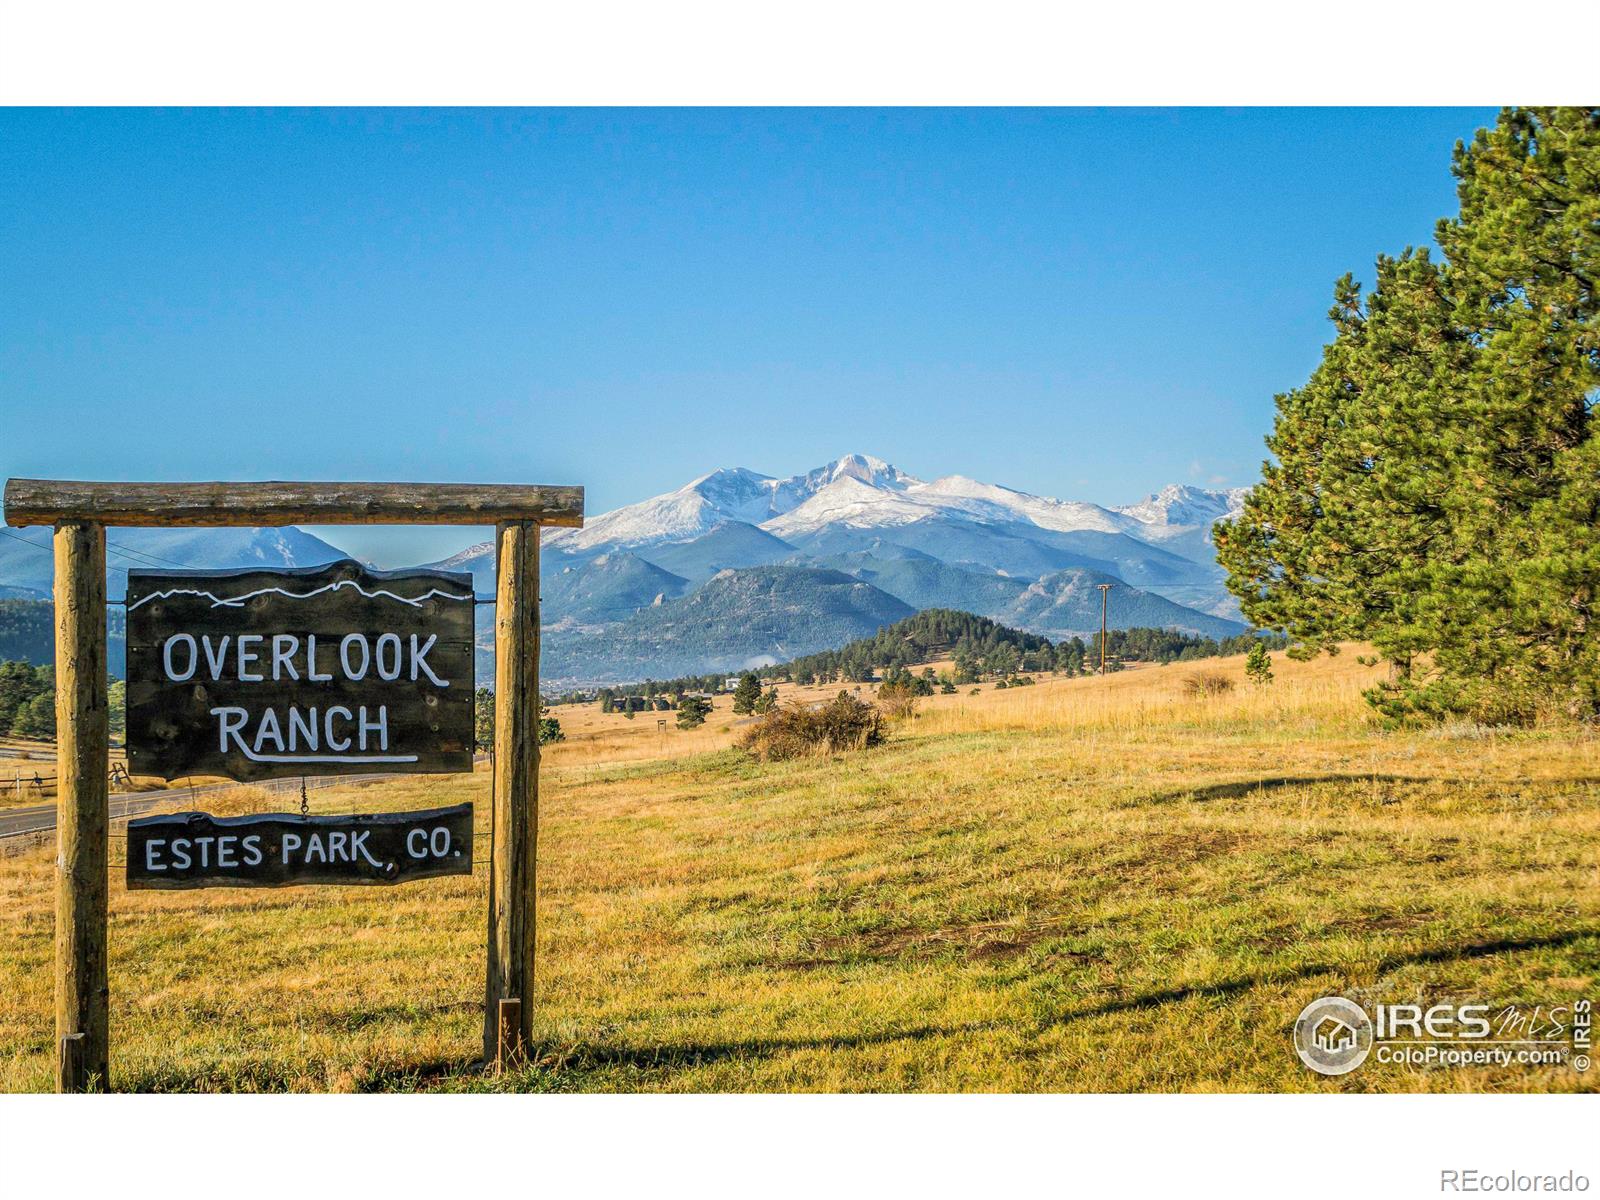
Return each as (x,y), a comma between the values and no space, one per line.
(360,670)
(328,670)
(192,850)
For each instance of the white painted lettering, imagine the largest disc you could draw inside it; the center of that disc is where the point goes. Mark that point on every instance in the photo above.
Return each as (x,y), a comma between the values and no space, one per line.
(248,658)
(269,729)
(216,657)
(392,671)
(419,660)
(354,639)
(230,721)
(358,845)
(311,661)
(302,730)
(379,727)
(327,728)
(166,657)
(284,647)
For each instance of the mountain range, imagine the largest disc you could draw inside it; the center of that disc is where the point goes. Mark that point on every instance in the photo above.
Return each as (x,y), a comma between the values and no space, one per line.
(737,568)
(27,566)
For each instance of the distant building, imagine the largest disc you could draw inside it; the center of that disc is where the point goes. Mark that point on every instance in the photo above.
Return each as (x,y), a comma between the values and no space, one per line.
(731,682)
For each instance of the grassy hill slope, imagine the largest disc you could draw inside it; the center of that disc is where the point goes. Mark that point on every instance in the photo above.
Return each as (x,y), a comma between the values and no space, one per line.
(1095,884)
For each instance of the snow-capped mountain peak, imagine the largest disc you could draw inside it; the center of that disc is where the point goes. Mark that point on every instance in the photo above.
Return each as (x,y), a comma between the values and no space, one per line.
(468,558)
(1181,504)
(789,494)
(860,492)
(730,494)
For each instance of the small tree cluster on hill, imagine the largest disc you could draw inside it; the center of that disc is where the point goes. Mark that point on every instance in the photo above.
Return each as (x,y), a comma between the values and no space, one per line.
(978,645)
(483,723)
(27,700)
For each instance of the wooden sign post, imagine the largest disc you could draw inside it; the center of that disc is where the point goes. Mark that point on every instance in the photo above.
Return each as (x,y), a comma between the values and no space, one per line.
(80,513)
(83,739)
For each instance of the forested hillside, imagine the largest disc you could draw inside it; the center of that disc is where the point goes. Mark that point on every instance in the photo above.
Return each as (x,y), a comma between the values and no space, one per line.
(928,635)
(28,635)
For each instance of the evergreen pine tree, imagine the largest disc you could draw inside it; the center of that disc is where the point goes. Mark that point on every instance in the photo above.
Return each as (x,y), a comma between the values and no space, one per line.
(692,712)
(1436,483)
(746,694)
(1258,665)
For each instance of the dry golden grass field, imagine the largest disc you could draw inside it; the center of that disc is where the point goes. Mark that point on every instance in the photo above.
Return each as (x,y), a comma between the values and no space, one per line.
(1083,885)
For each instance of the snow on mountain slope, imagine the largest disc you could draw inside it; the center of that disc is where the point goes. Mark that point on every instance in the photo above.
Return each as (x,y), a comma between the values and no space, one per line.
(1066,516)
(731,494)
(859,492)
(1179,518)
(859,505)
(1180,504)
(789,494)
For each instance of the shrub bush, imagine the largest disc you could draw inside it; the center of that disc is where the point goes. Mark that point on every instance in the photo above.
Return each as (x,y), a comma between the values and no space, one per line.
(898,700)
(794,730)
(1203,685)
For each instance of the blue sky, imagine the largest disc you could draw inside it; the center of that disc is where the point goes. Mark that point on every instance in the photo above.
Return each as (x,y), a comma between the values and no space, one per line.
(1081,303)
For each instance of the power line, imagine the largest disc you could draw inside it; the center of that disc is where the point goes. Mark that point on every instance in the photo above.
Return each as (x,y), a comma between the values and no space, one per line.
(155,559)
(140,557)
(17,537)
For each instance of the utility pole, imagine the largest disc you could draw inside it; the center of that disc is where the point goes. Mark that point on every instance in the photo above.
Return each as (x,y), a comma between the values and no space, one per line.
(1105,592)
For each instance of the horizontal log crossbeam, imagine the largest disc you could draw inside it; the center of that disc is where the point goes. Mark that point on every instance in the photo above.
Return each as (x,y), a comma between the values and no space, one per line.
(54,501)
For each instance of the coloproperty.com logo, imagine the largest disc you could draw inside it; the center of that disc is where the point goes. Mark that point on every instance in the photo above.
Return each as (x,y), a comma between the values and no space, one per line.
(1334,1036)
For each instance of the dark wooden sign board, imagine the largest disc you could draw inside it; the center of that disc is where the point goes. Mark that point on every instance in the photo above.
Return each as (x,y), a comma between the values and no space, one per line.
(196,850)
(337,669)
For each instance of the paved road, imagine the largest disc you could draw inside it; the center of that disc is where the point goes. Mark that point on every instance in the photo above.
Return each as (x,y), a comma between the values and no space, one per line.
(39,818)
